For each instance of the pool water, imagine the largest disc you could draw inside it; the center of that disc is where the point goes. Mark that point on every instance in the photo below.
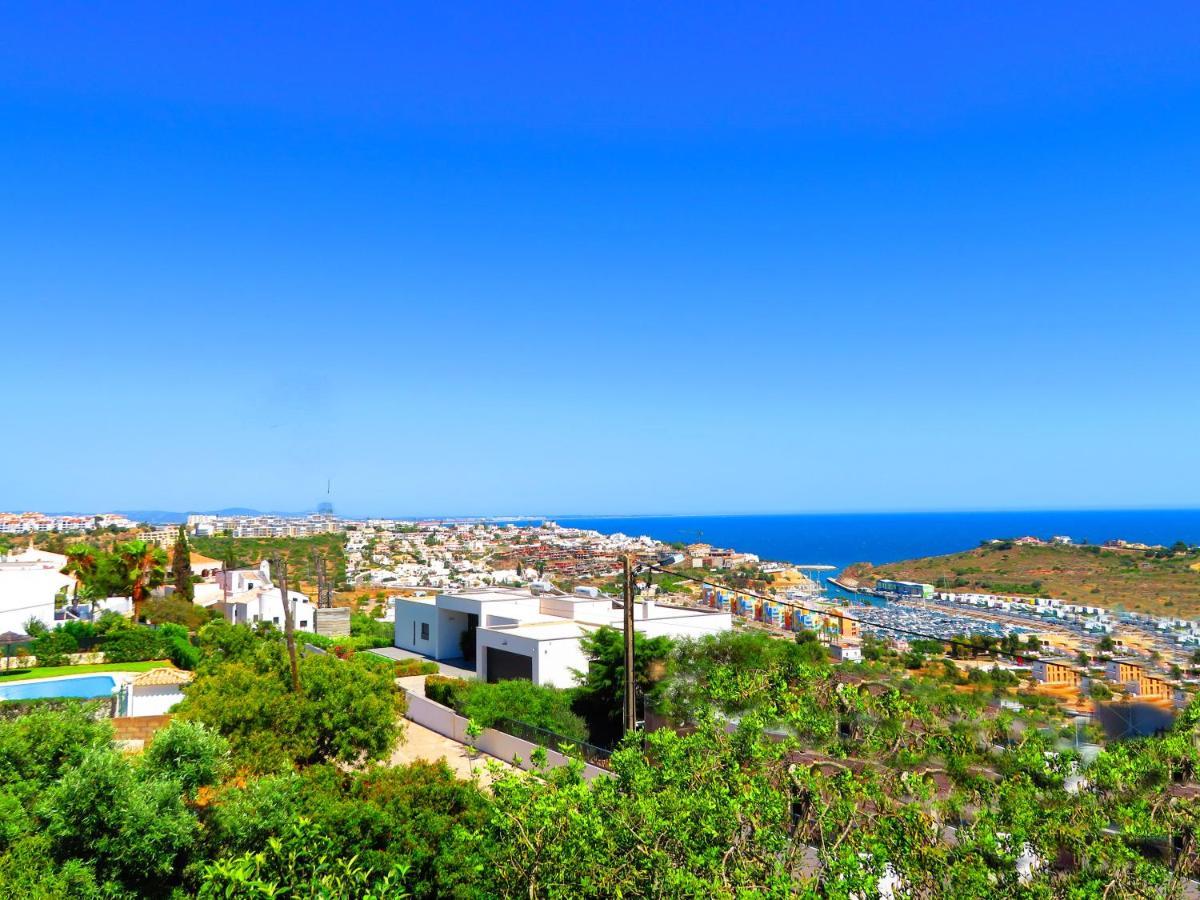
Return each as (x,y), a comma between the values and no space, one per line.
(77,686)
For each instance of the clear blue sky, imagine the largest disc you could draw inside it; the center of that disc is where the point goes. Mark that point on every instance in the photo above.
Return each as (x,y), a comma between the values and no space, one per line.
(520,258)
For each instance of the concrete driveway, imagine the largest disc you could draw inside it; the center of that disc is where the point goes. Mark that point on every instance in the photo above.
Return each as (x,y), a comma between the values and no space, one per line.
(428,746)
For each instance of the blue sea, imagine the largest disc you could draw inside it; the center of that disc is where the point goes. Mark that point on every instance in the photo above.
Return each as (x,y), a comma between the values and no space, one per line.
(841,539)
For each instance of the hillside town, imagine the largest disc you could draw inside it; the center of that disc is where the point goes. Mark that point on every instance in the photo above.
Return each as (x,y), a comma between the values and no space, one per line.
(35,522)
(422,567)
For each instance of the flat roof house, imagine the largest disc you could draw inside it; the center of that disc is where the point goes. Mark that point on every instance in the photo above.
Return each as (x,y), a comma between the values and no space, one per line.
(506,633)
(1056,672)
(1124,670)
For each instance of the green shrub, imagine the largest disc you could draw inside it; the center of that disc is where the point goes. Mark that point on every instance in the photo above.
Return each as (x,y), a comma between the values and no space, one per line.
(110,622)
(28,870)
(190,753)
(179,646)
(47,738)
(305,862)
(51,647)
(137,830)
(175,609)
(367,633)
(444,690)
(379,815)
(85,633)
(347,711)
(134,645)
(405,667)
(543,707)
(323,641)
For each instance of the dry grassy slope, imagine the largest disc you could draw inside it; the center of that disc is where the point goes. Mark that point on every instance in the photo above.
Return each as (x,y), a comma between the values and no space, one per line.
(1111,578)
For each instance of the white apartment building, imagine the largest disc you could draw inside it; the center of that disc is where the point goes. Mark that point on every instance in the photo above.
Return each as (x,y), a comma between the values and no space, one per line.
(510,633)
(30,522)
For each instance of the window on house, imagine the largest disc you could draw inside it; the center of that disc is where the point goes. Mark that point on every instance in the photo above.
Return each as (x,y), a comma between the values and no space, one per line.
(304,623)
(424,631)
(275,620)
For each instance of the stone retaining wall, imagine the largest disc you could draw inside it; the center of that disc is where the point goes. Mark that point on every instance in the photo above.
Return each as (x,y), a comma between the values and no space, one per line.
(138,728)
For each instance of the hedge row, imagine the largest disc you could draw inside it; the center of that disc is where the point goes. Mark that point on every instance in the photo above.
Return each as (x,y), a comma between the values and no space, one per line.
(135,643)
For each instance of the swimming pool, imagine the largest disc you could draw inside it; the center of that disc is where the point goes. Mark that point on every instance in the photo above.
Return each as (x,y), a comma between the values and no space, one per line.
(73,686)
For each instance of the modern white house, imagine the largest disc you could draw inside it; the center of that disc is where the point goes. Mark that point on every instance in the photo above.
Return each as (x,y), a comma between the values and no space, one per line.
(845,652)
(29,581)
(507,633)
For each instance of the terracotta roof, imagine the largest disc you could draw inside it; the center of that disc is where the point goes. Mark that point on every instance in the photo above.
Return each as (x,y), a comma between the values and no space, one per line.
(197,560)
(163,676)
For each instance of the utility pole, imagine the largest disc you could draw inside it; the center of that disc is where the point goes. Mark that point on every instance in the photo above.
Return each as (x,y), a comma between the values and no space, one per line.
(289,624)
(630,681)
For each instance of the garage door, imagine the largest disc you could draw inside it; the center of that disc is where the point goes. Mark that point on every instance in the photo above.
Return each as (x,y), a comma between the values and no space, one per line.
(503,665)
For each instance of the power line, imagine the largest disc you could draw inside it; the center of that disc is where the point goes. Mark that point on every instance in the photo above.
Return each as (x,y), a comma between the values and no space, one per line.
(840,616)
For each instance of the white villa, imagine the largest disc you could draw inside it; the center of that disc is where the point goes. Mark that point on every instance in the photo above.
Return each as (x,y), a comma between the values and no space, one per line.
(29,581)
(247,597)
(526,633)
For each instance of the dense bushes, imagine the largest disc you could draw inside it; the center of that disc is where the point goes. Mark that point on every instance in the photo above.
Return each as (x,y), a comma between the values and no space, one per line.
(173,639)
(346,711)
(383,817)
(78,819)
(406,667)
(37,747)
(15,709)
(176,610)
(51,647)
(543,707)
(366,633)
(85,633)
(130,823)
(712,813)
(189,752)
(120,640)
(443,689)
(133,644)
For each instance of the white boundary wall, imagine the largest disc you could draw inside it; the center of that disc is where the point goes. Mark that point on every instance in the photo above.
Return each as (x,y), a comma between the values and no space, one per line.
(30,662)
(448,723)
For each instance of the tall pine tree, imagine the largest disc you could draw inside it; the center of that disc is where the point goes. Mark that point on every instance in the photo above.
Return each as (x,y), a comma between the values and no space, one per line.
(181,568)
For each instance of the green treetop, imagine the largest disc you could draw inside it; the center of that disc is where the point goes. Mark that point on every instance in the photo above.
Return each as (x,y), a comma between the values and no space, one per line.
(181,567)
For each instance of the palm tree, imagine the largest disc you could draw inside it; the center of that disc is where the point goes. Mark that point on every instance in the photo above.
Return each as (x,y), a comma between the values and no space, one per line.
(144,567)
(82,562)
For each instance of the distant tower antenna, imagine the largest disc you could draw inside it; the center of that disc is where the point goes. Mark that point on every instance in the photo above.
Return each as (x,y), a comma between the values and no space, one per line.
(325,508)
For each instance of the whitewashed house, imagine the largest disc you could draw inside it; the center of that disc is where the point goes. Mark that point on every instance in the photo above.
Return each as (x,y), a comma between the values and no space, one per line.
(507,633)
(30,580)
(248,597)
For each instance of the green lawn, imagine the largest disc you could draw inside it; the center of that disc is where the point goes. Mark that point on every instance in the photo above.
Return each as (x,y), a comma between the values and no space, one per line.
(51,671)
